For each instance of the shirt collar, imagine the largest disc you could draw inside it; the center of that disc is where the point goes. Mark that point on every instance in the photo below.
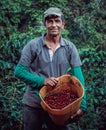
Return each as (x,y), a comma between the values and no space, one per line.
(62,43)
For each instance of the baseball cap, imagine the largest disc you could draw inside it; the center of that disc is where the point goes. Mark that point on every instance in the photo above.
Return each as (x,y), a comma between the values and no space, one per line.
(52,11)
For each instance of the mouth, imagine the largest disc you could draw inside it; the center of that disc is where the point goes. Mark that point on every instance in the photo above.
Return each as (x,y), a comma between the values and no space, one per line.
(54,30)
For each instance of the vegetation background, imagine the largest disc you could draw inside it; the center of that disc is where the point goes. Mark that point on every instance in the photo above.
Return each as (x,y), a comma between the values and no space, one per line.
(20,21)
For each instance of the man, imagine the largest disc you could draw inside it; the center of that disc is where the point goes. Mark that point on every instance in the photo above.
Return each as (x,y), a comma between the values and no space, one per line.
(42,60)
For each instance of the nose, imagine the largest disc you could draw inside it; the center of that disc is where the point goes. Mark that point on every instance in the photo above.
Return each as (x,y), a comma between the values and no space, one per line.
(54,23)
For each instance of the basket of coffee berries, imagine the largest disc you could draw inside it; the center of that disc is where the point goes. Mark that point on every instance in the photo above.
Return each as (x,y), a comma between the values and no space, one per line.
(63,100)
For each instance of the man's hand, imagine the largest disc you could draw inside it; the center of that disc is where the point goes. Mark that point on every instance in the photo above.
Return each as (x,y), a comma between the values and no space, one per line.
(75,117)
(51,81)
(77,114)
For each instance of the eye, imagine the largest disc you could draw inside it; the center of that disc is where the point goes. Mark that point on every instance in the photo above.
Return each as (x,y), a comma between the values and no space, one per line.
(58,21)
(49,21)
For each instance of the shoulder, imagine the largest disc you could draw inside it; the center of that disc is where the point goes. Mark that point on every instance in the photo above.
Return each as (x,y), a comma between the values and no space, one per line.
(67,43)
(35,41)
(34,45)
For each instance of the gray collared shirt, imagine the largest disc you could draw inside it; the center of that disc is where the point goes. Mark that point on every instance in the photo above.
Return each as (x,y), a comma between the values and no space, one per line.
(36,56)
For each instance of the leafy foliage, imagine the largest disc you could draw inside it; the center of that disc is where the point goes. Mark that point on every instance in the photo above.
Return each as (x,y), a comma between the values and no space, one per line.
(20,21)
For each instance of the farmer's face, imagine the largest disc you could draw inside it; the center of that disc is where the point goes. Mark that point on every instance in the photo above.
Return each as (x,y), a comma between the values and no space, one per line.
(54,25)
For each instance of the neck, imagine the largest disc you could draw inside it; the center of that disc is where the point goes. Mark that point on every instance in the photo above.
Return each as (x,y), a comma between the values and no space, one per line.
(52,39)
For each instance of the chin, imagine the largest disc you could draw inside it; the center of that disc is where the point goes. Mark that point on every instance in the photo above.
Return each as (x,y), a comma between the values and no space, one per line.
(54,34)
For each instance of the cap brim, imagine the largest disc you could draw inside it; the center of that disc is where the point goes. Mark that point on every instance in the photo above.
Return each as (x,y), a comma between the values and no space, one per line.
(57,14)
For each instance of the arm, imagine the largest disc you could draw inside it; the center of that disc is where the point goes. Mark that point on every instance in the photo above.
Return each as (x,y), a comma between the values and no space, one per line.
(77,72)
(23,73)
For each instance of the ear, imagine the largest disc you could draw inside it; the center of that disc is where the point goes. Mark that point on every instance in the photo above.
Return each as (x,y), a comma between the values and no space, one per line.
(63,24)
(44,23)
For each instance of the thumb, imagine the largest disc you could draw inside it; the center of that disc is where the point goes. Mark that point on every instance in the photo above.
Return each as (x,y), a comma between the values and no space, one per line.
(78,113)
(74,115)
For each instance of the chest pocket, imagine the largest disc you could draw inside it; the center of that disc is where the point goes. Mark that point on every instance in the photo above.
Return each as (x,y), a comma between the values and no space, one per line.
(62,63)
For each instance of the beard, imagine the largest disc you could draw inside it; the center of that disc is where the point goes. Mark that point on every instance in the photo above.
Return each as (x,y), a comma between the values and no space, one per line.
(54,33)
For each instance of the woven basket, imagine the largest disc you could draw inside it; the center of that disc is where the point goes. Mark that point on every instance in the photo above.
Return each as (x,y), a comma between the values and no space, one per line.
(60,116)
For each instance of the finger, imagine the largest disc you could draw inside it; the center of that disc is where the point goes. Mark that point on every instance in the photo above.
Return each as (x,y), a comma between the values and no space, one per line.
(57,78)
(54,80)
(51,83)
(74,115)
(78,113)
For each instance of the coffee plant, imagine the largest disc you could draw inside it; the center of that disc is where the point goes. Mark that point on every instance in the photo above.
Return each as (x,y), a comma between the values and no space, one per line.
(20,21)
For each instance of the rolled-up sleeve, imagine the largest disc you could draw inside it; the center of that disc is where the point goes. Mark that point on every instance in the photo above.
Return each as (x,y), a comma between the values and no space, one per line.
(74,57)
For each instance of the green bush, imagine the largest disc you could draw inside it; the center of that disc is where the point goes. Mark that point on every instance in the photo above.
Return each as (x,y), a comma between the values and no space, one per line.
(20,21)
(95,76)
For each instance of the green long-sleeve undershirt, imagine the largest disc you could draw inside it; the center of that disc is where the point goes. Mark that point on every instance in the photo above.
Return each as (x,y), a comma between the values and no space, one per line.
(23,73)
(77,72)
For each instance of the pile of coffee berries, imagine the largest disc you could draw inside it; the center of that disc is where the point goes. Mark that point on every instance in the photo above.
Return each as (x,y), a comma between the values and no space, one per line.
(60,99)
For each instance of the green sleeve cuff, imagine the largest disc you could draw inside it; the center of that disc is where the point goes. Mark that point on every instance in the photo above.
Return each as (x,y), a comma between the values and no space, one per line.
(23,73)
(83,104)
(77,72)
